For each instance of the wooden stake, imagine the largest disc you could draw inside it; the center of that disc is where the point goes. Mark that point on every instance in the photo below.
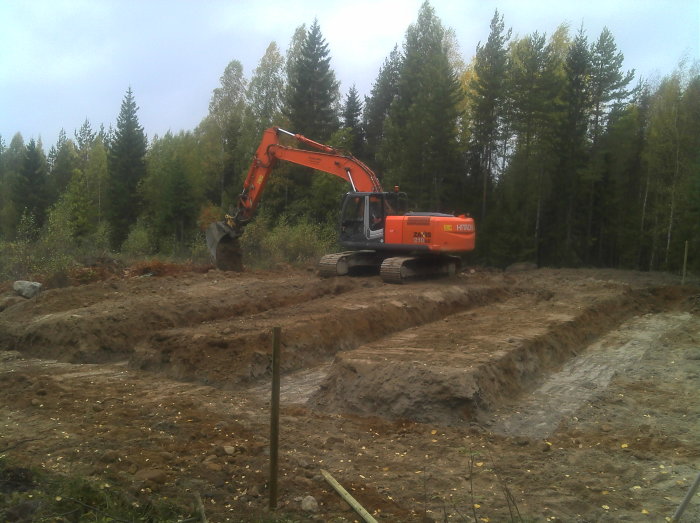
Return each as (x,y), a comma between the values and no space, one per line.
(275,416)
(685,262)
(347,497)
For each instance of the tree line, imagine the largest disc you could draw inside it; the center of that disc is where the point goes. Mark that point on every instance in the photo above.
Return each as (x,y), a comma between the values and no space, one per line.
(562,157)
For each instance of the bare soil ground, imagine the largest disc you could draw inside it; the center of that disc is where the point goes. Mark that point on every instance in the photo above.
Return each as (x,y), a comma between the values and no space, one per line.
(545,395)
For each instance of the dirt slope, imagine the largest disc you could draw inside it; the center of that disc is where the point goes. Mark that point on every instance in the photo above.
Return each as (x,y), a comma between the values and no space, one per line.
(553,394)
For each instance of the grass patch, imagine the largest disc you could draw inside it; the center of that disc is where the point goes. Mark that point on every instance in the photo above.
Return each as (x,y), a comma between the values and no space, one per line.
(28,494)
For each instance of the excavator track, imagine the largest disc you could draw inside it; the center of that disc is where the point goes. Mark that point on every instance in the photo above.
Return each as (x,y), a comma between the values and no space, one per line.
(391,269)
(341,263)
(333,265)
(400,268)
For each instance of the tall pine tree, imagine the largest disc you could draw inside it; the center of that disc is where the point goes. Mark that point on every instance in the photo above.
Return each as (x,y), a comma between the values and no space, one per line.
(565,241)
(352,112)
(312,91)
(31,195)
(312,106)
(607,86)
(384,90)
(127,167)
(420,150)
(488,95)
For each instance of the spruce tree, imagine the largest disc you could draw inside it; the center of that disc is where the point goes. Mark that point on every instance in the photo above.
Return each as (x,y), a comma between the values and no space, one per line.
(12,159)
(127,167)
(565,240)
(312,106)
(420,150)
(352,112)
(312,93)
(64,163)
(30,190)
(384,91)
(84,138)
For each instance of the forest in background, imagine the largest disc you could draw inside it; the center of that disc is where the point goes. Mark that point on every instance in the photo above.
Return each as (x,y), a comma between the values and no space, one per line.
(562,157)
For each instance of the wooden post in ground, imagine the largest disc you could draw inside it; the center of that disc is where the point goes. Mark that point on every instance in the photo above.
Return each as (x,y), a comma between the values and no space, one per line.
(275,416)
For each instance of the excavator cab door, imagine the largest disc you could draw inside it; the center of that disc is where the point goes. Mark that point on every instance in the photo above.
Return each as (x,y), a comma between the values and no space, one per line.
(362,218)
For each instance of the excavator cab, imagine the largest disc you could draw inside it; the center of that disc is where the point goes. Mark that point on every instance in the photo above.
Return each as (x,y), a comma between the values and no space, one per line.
(363,214)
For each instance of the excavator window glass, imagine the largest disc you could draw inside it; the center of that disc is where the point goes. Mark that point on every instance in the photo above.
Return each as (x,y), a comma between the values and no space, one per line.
(376,213)
(352,217)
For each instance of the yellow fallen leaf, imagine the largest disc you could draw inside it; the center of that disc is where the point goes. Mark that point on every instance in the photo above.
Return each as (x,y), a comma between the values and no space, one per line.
(479,464)
(484,519)
(476,505)
(433,432)
(636,487)
(645,511)
(433,440)
(58,498)
(605,492)
(624,445)
(606,507)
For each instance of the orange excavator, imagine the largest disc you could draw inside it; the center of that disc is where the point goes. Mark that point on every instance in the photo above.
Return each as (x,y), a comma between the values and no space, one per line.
(375,227)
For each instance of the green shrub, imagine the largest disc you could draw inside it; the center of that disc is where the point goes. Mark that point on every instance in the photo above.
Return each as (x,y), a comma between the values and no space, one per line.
(54,497)
(198,251)
(138,243)
(264,246)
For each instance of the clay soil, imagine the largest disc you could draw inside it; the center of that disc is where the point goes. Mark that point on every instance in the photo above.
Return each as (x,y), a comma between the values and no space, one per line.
(543,395)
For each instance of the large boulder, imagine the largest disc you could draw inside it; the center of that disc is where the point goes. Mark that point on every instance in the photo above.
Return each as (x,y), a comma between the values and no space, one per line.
(27,289)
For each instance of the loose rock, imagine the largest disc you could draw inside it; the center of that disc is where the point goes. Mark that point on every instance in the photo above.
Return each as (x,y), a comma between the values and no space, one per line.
(27,289)
(309,504)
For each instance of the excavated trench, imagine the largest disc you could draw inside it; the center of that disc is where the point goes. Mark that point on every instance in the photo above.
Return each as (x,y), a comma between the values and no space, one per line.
(232,352)
(103,322)
(449,351)
(460,368)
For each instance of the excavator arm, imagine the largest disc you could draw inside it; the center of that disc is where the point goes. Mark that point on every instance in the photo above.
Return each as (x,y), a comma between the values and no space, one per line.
(322,158)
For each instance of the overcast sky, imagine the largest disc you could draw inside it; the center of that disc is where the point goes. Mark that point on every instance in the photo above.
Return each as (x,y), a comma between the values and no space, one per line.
(62,61)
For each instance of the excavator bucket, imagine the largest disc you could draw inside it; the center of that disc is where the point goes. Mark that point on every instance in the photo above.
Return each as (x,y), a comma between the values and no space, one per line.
(224,247)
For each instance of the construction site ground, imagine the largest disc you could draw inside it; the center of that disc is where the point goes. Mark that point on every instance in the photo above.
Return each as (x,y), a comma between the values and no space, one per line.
(541,395)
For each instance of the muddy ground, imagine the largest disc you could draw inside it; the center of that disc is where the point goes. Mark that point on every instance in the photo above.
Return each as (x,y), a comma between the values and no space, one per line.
(544,395)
